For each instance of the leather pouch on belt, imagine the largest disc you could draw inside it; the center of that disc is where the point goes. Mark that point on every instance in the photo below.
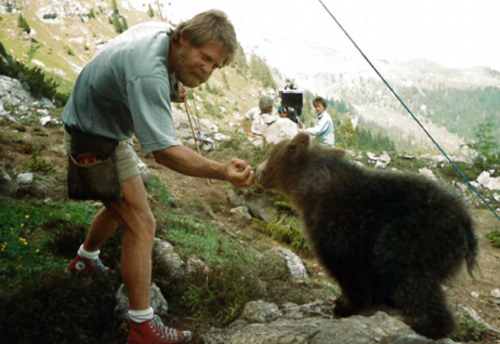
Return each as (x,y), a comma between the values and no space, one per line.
(92,170)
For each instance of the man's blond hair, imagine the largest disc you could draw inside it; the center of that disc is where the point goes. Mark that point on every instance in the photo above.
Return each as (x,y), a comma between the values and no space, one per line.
(207,27)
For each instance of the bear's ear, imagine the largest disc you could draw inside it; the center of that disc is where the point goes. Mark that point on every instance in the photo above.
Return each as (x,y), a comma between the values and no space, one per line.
(299,143)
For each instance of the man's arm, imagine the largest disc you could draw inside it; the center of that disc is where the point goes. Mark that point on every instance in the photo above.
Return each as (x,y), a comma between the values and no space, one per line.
(184,160)
(319,128)
(246,127)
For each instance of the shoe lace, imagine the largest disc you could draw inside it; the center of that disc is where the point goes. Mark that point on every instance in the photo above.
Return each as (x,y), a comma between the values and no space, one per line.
(165,332)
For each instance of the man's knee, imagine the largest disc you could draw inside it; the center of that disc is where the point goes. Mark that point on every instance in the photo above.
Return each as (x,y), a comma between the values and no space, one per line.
(146,228)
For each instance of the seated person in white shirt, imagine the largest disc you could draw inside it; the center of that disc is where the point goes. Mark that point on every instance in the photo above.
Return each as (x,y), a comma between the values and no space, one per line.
(259,115)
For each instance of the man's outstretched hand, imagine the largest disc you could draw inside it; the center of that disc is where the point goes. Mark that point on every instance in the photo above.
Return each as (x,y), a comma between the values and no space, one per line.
(239,173)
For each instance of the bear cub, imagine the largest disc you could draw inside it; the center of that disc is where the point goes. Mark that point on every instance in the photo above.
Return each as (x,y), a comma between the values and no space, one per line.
(387,238)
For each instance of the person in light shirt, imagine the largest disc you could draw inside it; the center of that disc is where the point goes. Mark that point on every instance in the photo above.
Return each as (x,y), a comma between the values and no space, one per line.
(323,130)
(127,90)
(260,115)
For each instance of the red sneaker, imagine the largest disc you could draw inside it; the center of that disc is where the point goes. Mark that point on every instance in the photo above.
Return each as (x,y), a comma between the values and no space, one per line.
(89,267)
(154,332)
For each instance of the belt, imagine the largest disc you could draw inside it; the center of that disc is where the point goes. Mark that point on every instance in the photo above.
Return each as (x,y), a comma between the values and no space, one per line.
(68,129)
(71,131)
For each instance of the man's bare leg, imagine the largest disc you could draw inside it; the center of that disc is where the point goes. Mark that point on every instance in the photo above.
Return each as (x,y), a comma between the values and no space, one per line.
(102,227)
(135,216)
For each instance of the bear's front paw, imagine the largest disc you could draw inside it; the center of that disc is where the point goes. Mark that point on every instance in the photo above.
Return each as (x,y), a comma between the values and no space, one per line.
(342,308)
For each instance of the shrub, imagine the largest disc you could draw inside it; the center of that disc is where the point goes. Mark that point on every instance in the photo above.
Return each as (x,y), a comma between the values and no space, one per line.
(469,330)
(222,292)
(35,164)
(34,80)
(69,51)
(57,308)
(286,229)
(33,48)
(494,238)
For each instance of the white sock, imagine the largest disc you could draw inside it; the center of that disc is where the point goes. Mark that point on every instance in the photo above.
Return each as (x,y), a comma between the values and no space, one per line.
(141,316)
(88,255)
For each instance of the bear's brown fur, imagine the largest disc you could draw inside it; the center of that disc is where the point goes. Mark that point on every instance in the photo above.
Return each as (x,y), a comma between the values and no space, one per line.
(387,238)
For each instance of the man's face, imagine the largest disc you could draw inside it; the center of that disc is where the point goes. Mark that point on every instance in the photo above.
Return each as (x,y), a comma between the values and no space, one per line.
(267,109)
(194,65)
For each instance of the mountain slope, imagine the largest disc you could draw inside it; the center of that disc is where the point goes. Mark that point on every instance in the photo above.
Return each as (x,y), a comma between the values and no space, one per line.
(449,102)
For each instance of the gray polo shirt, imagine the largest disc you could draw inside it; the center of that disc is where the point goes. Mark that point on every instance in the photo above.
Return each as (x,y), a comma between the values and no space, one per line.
(126,89)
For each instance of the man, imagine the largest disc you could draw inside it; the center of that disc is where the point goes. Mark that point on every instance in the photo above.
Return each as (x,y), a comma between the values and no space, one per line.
(260,116)
(323,130)
(126,90)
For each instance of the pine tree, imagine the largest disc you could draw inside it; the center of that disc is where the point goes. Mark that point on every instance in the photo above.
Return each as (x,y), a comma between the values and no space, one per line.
(92,14)
(115,7)
(23,24)
(151,13)
(486,143)
(124,24)
(116,23)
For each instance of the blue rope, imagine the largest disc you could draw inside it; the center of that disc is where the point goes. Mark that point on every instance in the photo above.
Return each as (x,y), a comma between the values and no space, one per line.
(412,115)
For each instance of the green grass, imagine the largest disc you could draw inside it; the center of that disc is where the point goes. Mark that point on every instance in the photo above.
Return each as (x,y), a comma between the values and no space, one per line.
(32,233)
(494,238)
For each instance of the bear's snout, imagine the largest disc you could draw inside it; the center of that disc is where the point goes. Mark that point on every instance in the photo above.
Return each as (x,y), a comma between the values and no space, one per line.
(258,171)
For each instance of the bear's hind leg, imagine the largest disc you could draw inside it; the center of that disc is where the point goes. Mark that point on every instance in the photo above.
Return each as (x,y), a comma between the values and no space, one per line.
(423,305)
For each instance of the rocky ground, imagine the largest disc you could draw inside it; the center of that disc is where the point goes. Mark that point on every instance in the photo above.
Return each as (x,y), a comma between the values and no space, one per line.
(261,322)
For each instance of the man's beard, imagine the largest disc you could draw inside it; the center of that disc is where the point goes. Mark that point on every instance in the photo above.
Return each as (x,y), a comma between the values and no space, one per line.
(189,75)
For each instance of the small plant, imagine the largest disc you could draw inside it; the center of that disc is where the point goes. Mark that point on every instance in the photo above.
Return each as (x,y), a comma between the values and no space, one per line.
(35,164)
(23,24)
(494,238)
(469,330)
(69,51)
(33,48)
(286,229)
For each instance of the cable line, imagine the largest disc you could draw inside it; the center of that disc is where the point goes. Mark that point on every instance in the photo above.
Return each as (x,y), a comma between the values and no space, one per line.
(411,113)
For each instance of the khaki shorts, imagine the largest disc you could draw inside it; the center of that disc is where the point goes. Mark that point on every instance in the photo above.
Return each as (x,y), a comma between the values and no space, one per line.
(126,158)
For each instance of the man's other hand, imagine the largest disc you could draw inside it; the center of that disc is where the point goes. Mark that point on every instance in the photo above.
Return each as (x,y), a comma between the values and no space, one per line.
(183,92)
